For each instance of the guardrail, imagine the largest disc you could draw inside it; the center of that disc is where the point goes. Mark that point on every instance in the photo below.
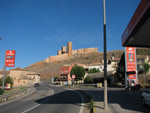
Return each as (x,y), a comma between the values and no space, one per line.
(4,98)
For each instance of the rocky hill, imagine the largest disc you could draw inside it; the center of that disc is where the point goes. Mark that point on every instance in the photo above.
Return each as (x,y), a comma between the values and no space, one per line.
(46,69)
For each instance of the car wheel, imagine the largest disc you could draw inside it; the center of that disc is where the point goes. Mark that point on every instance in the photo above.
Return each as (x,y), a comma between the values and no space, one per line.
(143,101)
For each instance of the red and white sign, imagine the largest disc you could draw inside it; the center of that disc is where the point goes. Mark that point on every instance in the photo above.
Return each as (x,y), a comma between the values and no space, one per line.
(131,63)
(10,58)
(73,76)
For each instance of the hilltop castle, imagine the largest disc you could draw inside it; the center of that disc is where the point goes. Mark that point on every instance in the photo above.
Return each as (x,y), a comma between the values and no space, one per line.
(67,53)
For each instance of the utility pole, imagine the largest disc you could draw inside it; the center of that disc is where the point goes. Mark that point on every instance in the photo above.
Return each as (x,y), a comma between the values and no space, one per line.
(105,59)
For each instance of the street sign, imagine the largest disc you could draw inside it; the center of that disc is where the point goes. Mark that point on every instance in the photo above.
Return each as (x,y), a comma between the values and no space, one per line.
(73,76)
(10,58)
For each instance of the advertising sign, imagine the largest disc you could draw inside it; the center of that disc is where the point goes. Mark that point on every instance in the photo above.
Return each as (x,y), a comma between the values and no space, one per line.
(10,58)
(131,64)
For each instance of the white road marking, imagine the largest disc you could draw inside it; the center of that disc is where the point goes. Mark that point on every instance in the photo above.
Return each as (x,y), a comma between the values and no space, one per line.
(41,102)
(81,109)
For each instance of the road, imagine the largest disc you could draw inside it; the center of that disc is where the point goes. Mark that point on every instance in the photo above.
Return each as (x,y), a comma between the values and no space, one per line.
(46,99)
(120,100)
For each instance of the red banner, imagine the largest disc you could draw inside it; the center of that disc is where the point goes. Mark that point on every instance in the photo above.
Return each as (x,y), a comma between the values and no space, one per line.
(131,64)
(10,58)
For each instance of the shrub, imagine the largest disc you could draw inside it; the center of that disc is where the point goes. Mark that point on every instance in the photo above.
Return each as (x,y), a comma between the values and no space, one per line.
(1,91)
(94,70)
(9,80)
(88,80)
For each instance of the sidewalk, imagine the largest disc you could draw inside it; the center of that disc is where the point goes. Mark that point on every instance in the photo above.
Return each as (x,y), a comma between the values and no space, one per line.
(99,105)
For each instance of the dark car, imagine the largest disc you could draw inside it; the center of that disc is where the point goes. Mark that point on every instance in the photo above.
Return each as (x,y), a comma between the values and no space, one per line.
(36,85)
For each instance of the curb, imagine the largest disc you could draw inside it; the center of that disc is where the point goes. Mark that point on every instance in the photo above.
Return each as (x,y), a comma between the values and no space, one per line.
(28,92)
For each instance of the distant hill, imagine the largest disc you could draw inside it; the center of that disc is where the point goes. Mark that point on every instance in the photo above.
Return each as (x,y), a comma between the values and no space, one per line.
(46,69)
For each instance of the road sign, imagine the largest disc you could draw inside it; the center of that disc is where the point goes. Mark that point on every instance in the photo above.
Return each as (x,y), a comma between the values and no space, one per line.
(73,76)
(10,58)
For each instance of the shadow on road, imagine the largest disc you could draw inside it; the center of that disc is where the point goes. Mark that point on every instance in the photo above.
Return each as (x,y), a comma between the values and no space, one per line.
(118,99)
(64,97)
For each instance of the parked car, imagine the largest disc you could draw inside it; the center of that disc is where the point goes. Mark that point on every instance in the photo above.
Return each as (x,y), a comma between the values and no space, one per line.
(145,98)
(36,85)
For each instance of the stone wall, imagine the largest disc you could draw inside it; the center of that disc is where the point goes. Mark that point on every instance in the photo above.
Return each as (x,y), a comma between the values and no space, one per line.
(63,54)
(57,58)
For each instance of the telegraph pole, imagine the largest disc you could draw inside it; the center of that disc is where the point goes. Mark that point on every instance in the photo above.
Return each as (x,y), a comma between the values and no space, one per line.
(105,59)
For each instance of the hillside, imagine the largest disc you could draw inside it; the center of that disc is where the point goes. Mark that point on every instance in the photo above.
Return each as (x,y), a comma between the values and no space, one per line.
(54,67)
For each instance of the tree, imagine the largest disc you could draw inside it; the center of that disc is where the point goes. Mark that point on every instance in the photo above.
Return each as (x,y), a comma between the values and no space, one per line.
(93,70)
(1,81)
(146,68)
(88,80)
(120,70)
(9,80)
(78,71)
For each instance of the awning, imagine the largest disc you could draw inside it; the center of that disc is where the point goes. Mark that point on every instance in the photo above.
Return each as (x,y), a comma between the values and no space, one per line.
(137,33)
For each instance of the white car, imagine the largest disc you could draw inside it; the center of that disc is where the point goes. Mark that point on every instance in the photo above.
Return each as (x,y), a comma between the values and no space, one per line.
(145,98)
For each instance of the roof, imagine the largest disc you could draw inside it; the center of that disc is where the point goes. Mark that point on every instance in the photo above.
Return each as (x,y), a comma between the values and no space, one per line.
(137,32)
(19,68)
(96,64)
(100,74)
(6,72)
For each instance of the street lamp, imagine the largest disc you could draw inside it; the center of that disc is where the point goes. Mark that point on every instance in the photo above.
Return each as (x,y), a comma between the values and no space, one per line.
(105,59)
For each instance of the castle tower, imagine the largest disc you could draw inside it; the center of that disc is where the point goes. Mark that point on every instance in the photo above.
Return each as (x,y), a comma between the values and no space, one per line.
(59,52)
(69,49)
(63,49)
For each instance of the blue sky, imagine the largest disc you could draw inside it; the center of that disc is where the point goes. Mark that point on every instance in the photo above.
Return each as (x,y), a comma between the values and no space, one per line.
(36,29)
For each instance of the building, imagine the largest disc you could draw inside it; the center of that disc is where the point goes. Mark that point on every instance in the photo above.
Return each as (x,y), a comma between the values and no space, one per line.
(22,77)
(114,63)
(100,66)
(65,78)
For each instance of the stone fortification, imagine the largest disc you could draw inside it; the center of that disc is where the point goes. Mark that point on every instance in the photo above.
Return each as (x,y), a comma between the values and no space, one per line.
(63,54)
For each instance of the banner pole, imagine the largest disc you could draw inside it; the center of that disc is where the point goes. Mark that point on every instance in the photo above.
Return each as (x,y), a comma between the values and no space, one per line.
(4,73)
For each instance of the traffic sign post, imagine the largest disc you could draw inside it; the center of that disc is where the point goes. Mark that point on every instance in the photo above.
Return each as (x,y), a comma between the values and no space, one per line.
(9,62)
(73,77)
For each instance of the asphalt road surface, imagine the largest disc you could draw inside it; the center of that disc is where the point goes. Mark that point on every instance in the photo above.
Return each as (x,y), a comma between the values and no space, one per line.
(120,100)
(46,99)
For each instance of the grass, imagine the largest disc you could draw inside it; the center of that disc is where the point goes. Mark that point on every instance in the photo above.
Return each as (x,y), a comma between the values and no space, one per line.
(13,90)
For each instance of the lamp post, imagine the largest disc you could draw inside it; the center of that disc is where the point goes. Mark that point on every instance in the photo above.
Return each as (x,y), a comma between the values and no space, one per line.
(105,59)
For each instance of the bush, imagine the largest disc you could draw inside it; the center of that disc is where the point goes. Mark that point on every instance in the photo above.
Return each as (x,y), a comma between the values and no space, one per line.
(88,80)
(1,91)
(94,70)
(9,80)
